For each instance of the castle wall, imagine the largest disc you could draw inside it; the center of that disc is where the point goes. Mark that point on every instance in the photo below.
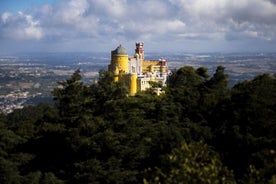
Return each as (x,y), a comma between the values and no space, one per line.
(135,71)
(119,63)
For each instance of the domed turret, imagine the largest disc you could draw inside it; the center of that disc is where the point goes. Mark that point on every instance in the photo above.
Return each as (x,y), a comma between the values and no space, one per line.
(119,61)
(120,50)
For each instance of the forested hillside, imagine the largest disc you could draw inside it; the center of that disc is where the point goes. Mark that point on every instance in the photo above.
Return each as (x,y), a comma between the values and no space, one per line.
(198,131)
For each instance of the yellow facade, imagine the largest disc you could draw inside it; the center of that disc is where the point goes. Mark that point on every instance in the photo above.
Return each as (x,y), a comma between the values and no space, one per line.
(149,65)
(133,84)
(120,63)
(135,71)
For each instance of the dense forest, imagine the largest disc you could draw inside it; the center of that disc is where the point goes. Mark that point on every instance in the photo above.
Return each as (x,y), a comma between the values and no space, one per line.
(199,131)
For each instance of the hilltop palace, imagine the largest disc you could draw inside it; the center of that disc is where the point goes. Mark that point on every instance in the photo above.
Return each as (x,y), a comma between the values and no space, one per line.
(137,72)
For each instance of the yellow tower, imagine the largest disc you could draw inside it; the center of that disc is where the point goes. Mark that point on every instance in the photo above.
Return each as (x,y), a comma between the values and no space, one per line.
(119,62)
(135,72)
(133,84)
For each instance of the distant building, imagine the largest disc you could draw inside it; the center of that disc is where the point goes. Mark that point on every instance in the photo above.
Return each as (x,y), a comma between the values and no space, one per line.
(137,72)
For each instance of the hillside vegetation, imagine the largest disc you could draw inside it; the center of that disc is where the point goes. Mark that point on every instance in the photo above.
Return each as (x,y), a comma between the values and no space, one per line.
(198,131)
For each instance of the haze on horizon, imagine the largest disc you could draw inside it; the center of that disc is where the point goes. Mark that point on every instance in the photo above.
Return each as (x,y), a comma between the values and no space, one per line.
(163,25)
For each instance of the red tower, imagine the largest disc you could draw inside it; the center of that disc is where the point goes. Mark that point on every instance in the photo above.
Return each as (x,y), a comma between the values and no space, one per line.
(139,51)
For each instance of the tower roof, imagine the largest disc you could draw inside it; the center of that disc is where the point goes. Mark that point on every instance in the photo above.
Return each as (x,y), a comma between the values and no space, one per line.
(120,50)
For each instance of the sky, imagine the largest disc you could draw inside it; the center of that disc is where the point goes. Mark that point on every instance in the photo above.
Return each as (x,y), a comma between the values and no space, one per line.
(163,25)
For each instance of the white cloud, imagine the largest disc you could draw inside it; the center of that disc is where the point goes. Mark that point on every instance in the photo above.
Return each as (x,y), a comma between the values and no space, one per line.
(68,20)
(33,32)
(228,15)
(174,20)
(20,27)
(150,9)
(112,8)
(5,16)
(72,12)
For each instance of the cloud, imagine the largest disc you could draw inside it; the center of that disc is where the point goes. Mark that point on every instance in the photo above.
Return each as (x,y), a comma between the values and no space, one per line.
(228,15)
(148,20)
(5,16)
(71,19)
(20,27)
(110,8)
(271,1)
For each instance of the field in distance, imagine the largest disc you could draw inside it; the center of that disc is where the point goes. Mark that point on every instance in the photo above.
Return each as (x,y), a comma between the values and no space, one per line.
(30,78)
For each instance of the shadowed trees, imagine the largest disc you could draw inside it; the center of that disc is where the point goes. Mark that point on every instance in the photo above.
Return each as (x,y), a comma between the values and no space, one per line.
(198,131)
(246,123)
(192,162)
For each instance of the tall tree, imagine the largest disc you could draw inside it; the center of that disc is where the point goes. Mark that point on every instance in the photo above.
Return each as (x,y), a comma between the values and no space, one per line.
(71,97)
(191,163)
(245,127)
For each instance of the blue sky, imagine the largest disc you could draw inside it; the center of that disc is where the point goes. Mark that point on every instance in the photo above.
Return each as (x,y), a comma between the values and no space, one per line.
(163,25)
(22,5)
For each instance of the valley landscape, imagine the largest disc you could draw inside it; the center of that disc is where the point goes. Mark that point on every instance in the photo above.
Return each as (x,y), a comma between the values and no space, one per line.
(29,78)
(127,92)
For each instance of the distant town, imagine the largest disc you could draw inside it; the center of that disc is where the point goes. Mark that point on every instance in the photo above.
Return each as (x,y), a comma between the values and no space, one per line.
(27,79)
